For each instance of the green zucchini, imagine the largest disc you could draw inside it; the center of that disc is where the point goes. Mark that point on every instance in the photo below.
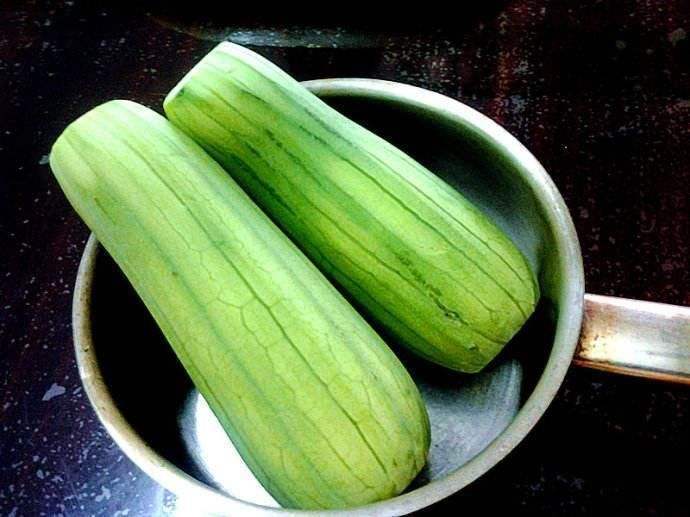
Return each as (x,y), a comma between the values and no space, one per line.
(318,406)
(419,257)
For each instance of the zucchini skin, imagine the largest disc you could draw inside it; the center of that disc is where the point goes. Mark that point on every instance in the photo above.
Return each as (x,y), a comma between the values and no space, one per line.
(318,406)
(410,249)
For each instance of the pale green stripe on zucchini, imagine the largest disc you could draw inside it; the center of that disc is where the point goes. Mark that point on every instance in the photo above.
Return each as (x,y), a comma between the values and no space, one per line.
(408,247)
(318,406)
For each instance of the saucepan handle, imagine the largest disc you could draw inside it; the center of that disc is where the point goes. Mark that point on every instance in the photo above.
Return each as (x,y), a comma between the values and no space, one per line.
(644,339)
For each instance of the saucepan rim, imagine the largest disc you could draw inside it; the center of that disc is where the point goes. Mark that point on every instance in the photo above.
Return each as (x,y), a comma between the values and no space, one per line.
(570,308)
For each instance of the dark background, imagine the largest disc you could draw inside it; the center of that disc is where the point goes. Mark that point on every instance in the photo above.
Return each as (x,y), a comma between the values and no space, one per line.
(599,91)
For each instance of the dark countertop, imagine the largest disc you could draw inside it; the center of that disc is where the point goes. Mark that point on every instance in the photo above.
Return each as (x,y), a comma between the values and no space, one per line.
(598,91)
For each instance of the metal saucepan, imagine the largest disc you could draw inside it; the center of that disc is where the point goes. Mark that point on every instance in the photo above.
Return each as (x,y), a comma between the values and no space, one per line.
(149,406)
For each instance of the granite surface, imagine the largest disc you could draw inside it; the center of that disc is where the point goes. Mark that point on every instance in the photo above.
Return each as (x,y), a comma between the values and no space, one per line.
(598,91)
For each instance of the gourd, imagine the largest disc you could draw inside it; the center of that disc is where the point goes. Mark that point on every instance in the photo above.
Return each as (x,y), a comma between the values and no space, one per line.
(318,406)
(415,254)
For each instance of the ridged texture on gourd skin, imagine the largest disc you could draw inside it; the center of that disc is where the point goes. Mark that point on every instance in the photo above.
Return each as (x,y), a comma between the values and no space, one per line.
(407,246)
(316,403)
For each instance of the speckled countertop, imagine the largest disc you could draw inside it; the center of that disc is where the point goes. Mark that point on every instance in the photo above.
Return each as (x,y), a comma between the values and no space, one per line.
(600,93)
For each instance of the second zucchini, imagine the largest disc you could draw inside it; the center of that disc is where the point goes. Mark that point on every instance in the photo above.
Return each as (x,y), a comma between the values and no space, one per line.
(417,255)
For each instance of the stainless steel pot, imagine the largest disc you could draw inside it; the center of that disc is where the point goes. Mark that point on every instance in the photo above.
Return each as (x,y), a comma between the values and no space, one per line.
(147,404)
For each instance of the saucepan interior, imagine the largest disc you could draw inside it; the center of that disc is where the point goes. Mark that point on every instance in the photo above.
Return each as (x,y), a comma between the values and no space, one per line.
(148,404)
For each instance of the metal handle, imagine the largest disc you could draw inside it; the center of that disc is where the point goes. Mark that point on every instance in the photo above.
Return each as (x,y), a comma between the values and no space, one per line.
(633,337)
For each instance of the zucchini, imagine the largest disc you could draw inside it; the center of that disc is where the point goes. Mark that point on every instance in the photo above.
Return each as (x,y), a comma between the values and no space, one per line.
(318,406)
(411,250)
